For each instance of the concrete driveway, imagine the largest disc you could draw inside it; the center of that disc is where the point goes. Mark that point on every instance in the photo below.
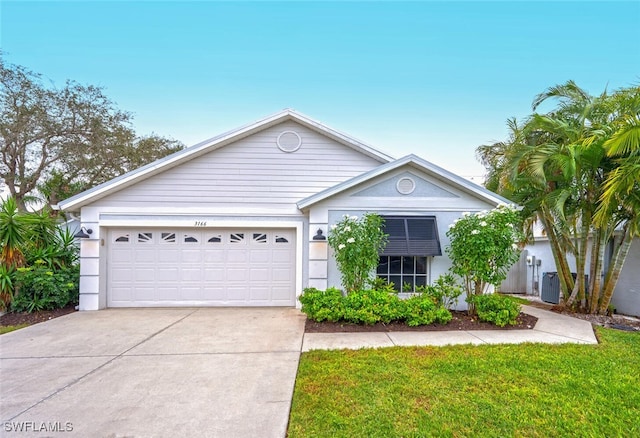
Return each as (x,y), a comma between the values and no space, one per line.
(152,372)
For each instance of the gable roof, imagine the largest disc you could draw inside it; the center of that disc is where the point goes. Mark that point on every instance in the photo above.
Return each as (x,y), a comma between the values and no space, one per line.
(212,144)
(420,164)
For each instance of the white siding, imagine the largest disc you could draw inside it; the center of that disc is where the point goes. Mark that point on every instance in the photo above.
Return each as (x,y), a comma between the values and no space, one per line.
(252,172)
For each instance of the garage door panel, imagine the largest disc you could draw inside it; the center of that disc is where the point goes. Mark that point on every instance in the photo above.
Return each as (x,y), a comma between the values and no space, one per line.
(237,256)
(213,275)
(237,294)
(168,255)
(224,267)
(168,274)
(260,293)
(191,255)
(144,255)
(214,255)
(259,275)
(168,293)
(191,275)
(144,293)
(145,274)
(281,274)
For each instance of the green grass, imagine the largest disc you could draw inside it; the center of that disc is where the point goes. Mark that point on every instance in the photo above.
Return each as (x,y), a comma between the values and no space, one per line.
(517,299)
(10,328)
(528,390)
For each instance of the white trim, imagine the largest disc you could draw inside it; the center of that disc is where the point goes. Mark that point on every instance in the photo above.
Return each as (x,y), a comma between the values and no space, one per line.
(425,166)
(285,149)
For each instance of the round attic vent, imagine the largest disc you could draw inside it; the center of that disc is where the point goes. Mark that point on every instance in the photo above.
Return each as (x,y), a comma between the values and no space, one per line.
(406,185)
(289,141)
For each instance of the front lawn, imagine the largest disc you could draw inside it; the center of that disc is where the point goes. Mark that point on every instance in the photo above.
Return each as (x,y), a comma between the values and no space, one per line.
(529,390)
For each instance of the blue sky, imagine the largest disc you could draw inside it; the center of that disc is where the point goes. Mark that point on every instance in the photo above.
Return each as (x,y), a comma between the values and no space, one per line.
(432,78)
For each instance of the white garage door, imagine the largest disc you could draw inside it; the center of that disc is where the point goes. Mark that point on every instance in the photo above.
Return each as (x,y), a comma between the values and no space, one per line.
(165,267)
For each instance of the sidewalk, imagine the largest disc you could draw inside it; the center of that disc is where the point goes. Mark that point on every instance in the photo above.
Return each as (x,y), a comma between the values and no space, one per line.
(551,328)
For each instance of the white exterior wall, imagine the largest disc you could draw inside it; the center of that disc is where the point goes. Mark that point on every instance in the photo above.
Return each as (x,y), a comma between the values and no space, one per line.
(626,297)
(251,176)
(249,183)
(391,203)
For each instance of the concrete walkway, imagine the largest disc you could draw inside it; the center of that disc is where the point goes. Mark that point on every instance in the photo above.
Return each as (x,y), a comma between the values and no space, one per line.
(152,373)
(551,328)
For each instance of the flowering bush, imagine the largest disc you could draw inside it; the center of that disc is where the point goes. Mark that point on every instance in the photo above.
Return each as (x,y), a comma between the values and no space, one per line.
(483,248)
(356,243)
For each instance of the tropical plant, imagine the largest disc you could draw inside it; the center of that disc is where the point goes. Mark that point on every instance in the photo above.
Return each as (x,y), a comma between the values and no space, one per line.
(483,247)
(40,288)
(13,229)
(6,286)
(356,243)
(574,170)
(32,240)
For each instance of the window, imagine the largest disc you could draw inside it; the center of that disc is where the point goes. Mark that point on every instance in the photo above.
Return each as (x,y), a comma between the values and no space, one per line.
(259,238)
(145,237)
(188,238)
(404,261)
(168,237)
(215,239)
(280,239)
(405,272)
(236,238)
(123,238)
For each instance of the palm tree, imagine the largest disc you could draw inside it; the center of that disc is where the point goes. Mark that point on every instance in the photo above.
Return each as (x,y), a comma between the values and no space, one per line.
(564,168)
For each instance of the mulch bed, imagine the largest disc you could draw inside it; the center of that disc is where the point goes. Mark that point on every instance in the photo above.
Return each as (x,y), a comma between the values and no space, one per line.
(19,318)
(460,321)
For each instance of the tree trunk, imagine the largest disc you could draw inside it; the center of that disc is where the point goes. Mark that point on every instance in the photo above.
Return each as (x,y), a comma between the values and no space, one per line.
(582,242)
(597,260)
(615,267)
(559,255)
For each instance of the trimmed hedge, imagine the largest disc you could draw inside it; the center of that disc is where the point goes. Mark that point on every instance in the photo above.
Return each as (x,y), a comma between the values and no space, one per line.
(495,308)
(370,307)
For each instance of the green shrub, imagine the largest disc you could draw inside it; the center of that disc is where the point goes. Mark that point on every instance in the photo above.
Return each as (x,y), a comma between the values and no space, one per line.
(371,306)
(40,288)
(443,315)
(495,308)
(419,310)
(444,292)
(321,305)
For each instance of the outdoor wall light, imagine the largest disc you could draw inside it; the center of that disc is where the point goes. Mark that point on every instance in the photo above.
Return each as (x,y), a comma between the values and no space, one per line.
(319,235)
(84,233)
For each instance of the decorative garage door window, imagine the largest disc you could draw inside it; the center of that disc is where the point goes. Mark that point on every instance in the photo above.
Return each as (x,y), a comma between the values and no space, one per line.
(168,237)
(236,238)
(190,238)
(145,237)
(121,238)
(259,238)
(217,238)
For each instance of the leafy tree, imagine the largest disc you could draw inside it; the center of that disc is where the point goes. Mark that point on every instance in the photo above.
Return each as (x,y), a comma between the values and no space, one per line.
(483,248)
(356,243)
(64,140)
(561,167)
